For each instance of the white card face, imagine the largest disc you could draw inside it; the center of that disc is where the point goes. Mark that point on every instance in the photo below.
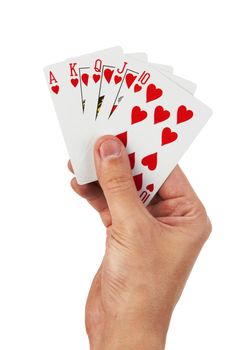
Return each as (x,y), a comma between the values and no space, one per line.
(157,123)
(113,90)
(68,105)
(123,90)
(64,80)
(109,73)
(107,80)
(185,84)
(111,80)
(127,75)
(84,74)
(86,71)
(90,83)
(113,83)
(165,67)
(142,56)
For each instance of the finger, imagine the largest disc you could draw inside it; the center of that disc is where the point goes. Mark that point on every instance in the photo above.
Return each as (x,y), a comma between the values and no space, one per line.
(156,199)
(70,167)
(176,185)
(177,197)
(114,174)
(94,195)
(91,192)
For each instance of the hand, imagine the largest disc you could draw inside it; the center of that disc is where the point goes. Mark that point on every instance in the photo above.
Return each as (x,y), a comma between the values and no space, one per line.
(149,252)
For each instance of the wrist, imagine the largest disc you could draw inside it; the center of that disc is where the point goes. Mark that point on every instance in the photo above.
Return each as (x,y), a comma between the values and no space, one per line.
(126,335)
(134,340)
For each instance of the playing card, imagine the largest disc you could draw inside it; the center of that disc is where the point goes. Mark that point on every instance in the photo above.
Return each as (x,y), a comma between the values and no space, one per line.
(132,72)
(157,122)
(63,80)
(90,73)
(123,89)
(107,79)
(185,84)
(112,79)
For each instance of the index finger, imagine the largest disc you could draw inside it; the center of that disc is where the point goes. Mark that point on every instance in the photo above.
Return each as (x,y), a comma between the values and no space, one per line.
(176,185)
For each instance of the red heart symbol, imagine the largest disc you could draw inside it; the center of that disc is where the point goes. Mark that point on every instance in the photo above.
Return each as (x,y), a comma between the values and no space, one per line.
(137,88)
(150,187)
(74,82)
(85,78)
(117,79)
(108,74)
(138,181)
(132,160)
(55,89)
(160,114)
(183,114)
(152,93)
(150,161)
(130,79)
(123,138)
(96,77)
(168,136)
(137,115)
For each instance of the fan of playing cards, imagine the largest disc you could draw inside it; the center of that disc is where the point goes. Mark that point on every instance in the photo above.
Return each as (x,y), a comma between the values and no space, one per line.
(151,110)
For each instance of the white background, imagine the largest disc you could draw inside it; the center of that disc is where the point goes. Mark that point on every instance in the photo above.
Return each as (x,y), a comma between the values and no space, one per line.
(51,241)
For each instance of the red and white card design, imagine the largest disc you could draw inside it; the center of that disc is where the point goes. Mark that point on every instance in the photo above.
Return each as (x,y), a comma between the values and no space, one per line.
(117,78)
(64,82)
(157,122)
(69,83)
(156,118)
(112,78)
(128,72)
(103,68)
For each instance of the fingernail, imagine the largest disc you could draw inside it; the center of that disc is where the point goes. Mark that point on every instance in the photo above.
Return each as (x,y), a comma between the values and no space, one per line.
(110,148)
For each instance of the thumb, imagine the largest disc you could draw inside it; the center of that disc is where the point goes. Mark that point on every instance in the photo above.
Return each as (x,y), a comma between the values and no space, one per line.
(114,175)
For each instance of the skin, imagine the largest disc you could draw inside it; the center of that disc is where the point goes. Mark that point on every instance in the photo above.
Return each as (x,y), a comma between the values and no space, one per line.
(149,253)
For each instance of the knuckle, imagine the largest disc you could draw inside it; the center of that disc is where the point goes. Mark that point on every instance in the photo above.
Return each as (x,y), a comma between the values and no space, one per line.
(119,183)
(183,206)
(106,217)
(137,228)
(200,208)
(200,223)
(73,184)
(81,190)
(196,207)
(206,228)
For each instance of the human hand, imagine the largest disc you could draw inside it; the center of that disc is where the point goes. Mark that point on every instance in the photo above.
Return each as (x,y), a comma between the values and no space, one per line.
(149,252)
